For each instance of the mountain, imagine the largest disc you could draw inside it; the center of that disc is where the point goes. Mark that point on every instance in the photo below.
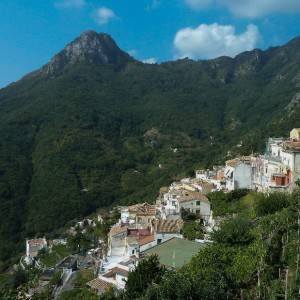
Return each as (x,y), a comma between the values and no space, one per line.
(95,127)
(91,48)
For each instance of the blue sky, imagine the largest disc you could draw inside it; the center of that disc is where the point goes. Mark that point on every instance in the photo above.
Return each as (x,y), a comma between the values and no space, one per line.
(32,31)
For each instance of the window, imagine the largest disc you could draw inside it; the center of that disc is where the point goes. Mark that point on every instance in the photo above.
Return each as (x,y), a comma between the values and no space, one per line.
(198,203)
(197,211)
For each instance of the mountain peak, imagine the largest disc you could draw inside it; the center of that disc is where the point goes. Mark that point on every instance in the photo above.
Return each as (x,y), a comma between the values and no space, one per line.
(89,47)
(295,42)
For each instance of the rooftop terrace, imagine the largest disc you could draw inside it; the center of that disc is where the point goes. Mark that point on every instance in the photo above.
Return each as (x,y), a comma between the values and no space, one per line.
(175,252)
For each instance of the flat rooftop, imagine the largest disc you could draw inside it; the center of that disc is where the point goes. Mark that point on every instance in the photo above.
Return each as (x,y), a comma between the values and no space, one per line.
(175,252)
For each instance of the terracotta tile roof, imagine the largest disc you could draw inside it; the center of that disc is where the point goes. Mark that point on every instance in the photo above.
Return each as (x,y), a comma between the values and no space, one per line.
(99,284)
(145,240)
(117,230)
(144,209)
(132,260)
(234,162)
(169,226)
(132,240)
(139,232)
(140,240)
(164,189)
(116,270)
(292,146)
(35,242)
(190,196)
(207,187)
(35,245)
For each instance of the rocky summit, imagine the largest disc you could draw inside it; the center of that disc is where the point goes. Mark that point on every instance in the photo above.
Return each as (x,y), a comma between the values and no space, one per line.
(89,47)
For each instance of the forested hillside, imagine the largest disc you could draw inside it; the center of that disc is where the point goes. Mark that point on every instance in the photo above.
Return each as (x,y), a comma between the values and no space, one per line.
(94,127)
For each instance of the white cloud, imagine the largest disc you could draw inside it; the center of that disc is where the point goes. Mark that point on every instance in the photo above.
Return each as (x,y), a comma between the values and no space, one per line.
(104,15)
(150,60)
(259,8)
(70,4)
(210,41)
(249,8)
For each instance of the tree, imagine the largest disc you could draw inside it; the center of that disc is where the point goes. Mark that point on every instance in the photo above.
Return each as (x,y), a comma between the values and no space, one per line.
(236,194)
(235,231)
(81,294)
(187,215)
(173,286)
(146,273)
(192,230)
(209,273)
(270,203)
(79,242)
(111,294)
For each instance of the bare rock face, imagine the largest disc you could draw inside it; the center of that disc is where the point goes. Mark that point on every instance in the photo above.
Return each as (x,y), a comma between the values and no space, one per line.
(296,80)
(248,62)
(89,47)
(294,104)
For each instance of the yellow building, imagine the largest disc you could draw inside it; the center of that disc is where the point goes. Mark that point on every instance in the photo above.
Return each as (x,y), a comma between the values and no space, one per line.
(295,134)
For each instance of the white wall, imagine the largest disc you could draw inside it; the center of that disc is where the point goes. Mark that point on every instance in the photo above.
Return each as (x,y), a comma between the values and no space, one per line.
(124,216)
(242,176)
(229,178)
(121,281)
(297,166)
(147,246)
(167,236)
(192,206)
(275,150)
(287,159)
(205,210)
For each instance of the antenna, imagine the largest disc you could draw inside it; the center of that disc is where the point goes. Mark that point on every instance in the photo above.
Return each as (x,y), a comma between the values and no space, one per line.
(174,256)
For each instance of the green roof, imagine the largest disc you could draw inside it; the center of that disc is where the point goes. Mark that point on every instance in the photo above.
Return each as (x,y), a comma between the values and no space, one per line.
(175,252)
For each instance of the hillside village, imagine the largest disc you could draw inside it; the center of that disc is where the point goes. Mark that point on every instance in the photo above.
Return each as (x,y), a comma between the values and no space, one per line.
(278,169)
(158,228)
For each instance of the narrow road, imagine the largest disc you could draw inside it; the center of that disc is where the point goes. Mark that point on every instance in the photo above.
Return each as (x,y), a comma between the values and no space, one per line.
(67,286)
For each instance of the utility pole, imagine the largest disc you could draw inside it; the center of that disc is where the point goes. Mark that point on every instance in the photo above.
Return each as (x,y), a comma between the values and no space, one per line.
(286,284)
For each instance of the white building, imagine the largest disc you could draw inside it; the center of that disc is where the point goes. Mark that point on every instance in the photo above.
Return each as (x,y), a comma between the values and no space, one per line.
(115,277)
(33,247)
(278,169)
(176,199)
(295,134)
(138,215)
(287,154)
(269,173)
(168,229)
(238,173)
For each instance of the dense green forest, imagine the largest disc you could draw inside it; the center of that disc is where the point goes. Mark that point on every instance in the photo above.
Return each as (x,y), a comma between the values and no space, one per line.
(93,130)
